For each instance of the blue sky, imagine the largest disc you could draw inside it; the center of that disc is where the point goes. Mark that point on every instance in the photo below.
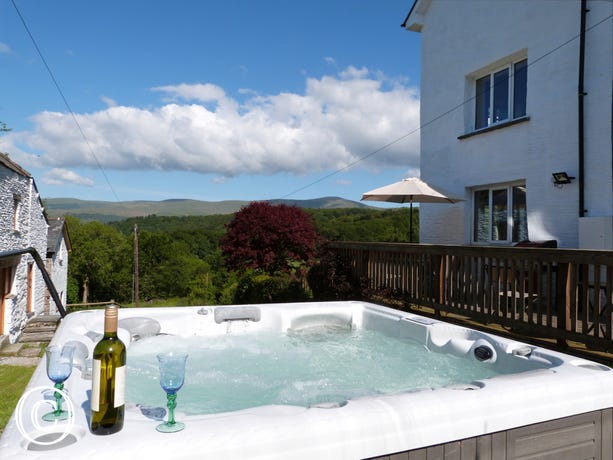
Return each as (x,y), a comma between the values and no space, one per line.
(212,99)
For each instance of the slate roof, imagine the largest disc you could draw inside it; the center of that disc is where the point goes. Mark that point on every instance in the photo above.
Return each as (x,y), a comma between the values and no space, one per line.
(10,164)
(55,232)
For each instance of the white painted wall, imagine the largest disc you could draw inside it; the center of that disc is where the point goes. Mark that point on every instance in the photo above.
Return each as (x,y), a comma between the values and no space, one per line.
(59,275)
(461,37)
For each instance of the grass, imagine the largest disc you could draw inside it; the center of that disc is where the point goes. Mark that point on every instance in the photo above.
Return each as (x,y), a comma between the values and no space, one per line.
(13,380)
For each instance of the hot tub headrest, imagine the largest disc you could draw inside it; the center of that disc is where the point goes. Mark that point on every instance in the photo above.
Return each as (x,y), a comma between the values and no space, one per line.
(223,314)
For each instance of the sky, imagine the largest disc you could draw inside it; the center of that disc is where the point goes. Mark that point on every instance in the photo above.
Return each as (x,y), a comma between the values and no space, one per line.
(209,99)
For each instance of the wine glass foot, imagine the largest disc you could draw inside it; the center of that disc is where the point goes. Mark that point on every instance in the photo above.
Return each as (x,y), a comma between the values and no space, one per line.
(170,428)
(56,416)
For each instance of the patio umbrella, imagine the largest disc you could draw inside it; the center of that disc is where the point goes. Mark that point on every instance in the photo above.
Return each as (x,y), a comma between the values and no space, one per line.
(410,190)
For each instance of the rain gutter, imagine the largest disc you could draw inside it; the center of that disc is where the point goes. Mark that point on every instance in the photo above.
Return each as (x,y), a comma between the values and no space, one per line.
(580,112)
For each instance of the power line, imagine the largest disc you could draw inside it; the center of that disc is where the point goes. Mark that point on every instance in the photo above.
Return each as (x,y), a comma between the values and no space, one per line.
(433,120)
(59,90)
(317,181)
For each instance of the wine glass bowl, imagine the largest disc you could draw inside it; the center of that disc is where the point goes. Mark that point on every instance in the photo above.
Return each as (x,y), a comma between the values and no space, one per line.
(172,377)
(59,368)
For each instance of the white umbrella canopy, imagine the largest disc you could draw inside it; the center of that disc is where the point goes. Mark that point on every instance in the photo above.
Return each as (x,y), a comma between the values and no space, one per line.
(410,190)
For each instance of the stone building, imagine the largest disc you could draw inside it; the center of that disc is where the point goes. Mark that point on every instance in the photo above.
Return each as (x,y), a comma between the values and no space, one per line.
(24,224)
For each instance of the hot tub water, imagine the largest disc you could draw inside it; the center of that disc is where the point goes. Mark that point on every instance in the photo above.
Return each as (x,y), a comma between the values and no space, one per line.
(307,367)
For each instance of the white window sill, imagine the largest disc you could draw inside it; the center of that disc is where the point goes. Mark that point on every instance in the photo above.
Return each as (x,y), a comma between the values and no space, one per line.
(504,124)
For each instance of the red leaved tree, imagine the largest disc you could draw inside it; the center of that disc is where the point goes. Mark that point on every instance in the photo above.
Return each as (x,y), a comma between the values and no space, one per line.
(272,238)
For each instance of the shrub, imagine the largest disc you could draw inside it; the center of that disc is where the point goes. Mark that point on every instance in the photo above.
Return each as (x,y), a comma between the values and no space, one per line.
(332,278)
(271,238)
(256,286)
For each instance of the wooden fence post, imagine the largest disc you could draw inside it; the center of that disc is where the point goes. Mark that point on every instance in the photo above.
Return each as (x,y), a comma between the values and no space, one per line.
(563,300)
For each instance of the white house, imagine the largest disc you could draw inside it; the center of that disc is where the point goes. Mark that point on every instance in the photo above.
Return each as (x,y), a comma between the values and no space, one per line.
(511,93)
(58,248)
(24,224)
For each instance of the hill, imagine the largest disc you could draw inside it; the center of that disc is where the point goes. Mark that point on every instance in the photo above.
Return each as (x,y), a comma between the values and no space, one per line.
(109,211)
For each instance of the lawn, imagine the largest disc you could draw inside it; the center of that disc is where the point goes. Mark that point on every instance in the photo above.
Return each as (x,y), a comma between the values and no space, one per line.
(13,380)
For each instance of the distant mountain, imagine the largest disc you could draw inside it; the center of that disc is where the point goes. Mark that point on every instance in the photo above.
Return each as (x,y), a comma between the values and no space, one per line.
(108,211)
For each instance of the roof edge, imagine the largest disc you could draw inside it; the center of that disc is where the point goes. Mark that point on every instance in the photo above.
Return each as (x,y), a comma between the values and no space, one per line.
(415,18)
(5,160)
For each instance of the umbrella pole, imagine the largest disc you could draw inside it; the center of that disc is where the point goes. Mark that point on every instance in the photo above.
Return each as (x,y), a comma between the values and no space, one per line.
(411,222)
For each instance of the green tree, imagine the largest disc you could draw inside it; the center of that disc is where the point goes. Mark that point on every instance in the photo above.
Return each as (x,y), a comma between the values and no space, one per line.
(100,263)
(167,267)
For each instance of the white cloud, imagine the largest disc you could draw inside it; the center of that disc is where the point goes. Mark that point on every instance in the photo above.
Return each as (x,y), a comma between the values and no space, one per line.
(108,101)
(339,120)
(330,60)
(206,92)
(5,49)
(60,176)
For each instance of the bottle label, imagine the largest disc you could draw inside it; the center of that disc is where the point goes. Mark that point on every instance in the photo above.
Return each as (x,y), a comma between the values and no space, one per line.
(120,386)
(95,402)
(119,398)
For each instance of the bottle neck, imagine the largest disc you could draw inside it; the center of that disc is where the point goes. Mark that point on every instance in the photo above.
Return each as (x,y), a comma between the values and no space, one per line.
(110,322)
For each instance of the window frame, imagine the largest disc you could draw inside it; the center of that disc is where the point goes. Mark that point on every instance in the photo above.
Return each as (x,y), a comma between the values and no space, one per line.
(508,188)
(511,67)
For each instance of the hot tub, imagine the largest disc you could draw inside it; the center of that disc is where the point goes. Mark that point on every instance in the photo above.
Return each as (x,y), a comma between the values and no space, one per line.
(509,386)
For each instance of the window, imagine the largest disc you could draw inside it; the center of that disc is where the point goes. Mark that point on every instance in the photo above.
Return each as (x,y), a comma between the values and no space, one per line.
(499,214)
(16,211)
(501,95)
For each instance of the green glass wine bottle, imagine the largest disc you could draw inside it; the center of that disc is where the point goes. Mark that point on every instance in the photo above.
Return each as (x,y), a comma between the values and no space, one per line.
(108,379)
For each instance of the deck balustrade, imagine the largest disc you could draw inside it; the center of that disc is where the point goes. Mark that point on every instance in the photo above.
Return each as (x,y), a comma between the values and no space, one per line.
(564,294)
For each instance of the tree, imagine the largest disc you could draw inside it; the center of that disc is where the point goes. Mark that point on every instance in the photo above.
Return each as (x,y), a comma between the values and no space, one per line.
(100,263)
(272,238)
(168,268)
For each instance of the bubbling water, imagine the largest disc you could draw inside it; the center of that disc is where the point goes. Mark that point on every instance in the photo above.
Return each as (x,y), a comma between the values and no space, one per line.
(317,365)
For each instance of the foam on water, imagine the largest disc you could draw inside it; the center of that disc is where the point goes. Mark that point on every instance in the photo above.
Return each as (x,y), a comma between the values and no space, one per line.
(304,368)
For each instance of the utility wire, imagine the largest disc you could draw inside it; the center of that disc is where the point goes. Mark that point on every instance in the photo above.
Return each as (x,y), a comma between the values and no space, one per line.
(323,178)
(433,120)
(59,90)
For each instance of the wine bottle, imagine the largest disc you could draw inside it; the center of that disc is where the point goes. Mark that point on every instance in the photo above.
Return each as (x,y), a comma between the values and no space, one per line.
(108,379)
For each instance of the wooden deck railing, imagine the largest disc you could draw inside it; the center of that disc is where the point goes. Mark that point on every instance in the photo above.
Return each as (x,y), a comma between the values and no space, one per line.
(558,293)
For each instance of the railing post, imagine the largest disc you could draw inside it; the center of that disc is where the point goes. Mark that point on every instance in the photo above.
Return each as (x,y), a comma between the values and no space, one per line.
(441,277)
(563,300)
(365,267)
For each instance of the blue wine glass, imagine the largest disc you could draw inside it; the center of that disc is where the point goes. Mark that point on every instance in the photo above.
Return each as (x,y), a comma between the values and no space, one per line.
(59,368)
(172,376)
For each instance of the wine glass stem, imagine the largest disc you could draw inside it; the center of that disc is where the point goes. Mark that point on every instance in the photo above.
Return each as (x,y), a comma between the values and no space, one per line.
(172,403)
(58,398)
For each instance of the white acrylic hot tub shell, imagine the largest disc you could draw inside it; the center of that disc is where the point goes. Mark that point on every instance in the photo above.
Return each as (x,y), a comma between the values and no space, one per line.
(362,428)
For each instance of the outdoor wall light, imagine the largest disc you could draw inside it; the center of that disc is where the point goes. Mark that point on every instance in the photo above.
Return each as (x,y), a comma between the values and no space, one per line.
(561,178)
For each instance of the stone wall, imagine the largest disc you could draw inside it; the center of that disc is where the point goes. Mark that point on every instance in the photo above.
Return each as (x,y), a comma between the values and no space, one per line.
(19,230)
